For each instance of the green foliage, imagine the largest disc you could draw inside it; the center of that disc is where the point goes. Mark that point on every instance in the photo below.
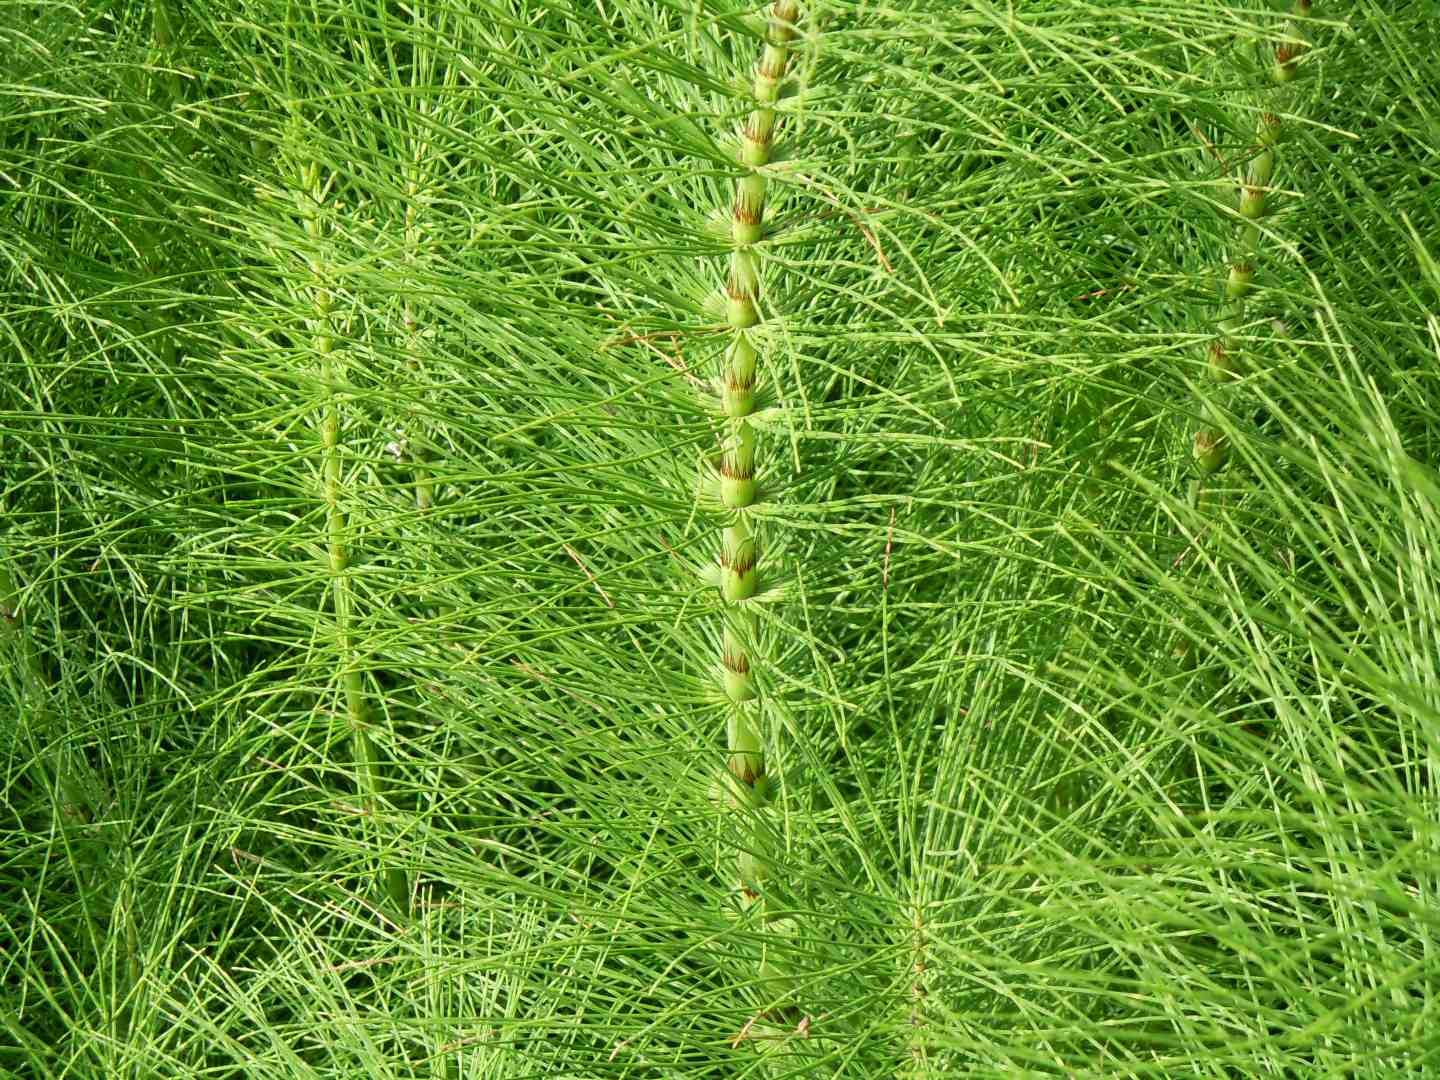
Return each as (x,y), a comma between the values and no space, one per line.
(1072,770)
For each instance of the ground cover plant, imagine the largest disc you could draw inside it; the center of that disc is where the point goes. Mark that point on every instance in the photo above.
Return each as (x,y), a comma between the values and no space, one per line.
(655,539)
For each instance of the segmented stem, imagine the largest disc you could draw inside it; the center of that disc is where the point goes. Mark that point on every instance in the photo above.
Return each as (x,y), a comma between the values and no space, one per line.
(369,779)
(1223,358)
(739,571)
(417,442)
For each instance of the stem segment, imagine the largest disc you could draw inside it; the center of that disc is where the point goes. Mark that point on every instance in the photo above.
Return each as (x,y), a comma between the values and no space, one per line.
(1224,353)
(746,778)
(369,778)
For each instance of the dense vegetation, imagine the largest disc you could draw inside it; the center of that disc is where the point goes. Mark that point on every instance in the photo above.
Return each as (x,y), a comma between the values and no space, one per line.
(374,436)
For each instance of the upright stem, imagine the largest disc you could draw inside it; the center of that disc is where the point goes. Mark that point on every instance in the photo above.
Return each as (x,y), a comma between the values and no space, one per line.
(416,437)
(741,553)
(369,779)
(1210,447)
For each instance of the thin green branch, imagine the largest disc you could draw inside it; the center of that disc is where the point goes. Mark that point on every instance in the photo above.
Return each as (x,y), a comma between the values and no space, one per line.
(369,777)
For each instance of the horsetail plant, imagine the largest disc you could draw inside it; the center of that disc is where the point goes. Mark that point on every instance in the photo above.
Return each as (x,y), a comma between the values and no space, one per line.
(419,451)
(737,575)
(310,196)
(1210,448)
(420,180)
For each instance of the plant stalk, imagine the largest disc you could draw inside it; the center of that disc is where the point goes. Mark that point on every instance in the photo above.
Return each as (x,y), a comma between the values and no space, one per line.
(369,780)
(1224,356)
(740,580)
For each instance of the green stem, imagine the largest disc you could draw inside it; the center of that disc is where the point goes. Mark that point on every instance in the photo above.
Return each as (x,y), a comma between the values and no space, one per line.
(741,554)
(416,435)
(1209,448)
(369,779)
